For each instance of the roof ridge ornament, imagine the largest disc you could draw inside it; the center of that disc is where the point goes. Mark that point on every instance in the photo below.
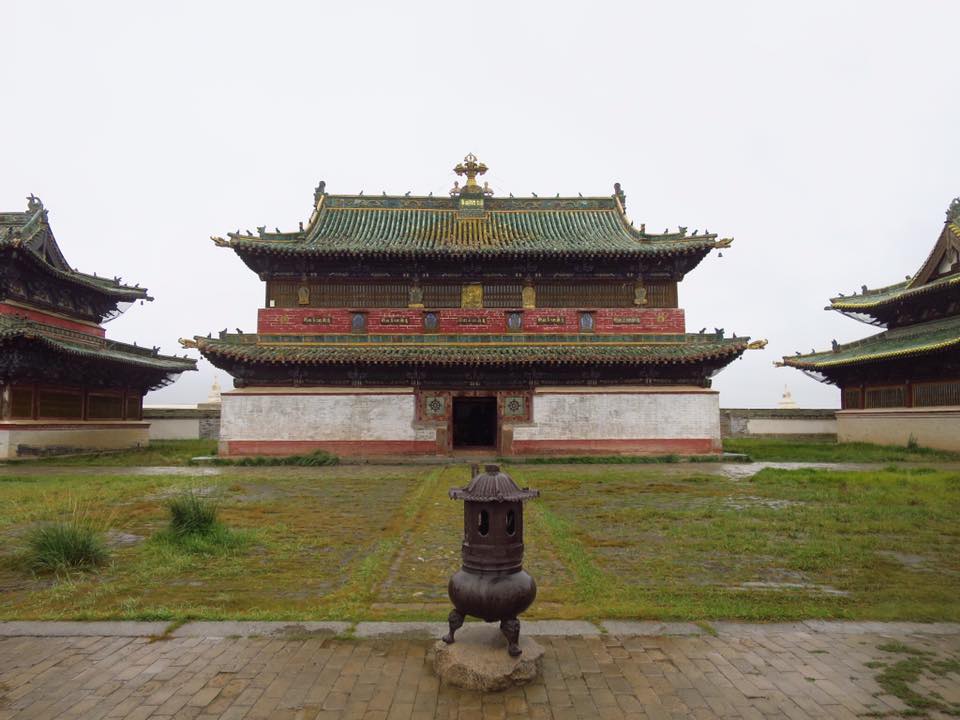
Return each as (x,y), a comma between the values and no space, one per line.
(953,212)
(470,167)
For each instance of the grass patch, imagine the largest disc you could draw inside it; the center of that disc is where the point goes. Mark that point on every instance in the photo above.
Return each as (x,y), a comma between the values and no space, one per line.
(777,450)
(318,458)
(900,678)
(160,453)
(647,541)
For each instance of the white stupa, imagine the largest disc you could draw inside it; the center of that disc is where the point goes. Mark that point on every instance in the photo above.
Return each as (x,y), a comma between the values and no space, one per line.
(214,396)
(787,401)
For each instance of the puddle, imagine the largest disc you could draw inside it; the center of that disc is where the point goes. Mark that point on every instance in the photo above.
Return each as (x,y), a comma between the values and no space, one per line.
(115,538)
(746,502)
(805,587)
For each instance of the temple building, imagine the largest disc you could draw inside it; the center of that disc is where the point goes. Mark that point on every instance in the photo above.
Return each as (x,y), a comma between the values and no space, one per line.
(63,386)
(429,325)
(901,384)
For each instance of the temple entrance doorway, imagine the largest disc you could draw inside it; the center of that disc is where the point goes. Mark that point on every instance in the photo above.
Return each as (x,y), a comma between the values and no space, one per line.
(474,423)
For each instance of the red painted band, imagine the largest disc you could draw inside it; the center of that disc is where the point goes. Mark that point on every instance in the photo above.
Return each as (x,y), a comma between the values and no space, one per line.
(456,321)
(346,448)
(644,446)
(46,319)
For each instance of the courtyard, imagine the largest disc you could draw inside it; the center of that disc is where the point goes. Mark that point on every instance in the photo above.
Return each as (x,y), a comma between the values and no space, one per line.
(699,542)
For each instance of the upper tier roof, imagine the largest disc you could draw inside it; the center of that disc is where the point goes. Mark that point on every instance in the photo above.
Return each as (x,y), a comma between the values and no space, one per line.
(939,273)
(469,222)
(30,231)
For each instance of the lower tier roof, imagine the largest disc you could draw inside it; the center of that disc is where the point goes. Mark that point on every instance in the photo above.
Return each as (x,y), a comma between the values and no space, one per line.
(901,342)
(14,328)
(477,350)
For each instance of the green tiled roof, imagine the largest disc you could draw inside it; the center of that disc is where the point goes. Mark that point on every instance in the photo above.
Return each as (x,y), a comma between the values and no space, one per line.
(457,350)
(877,298)
(30,231)
(74,343)
(907,341)
(404,226)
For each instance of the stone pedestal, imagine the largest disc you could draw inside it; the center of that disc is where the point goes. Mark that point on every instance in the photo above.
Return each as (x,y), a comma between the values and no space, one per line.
(479,660)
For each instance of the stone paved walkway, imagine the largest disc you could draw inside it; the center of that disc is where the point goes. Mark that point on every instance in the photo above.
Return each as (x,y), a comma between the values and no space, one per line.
(258,670)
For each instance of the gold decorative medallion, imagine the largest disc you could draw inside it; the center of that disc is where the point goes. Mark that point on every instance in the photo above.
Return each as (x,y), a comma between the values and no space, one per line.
(529,296)
(471,296)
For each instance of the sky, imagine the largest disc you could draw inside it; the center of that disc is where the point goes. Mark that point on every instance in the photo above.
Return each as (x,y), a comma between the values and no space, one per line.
(824,136)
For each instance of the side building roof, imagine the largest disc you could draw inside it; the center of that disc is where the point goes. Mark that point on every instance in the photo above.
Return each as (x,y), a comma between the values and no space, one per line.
(29,234)
(940,273)
(902,342)
(159,369)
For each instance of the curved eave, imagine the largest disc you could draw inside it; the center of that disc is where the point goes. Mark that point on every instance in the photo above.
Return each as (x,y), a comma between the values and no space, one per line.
(115,291)
(472,354)
(802,363)
(112,352)
(899,292)
(242,247)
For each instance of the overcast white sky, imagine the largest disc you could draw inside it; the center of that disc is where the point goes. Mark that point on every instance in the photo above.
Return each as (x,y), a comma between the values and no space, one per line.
(823,136)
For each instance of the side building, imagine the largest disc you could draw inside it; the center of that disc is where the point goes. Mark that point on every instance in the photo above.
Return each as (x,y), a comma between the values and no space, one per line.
(902,383)
(427,325)
(64,386)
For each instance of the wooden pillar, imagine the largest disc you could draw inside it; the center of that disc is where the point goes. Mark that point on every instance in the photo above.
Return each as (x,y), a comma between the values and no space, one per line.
(5,402)
(908,394)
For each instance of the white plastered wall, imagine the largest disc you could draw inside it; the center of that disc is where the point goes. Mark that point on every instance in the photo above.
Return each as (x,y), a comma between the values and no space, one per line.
(623,415)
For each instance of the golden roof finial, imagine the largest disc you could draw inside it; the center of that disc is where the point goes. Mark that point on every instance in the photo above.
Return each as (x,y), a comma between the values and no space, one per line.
(471,168)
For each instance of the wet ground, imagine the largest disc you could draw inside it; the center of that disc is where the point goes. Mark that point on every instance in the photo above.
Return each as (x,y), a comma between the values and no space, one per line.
(631,671)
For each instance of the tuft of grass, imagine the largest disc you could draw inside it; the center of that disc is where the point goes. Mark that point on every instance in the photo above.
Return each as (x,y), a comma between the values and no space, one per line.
(317,458)
(192,513)
(63,546)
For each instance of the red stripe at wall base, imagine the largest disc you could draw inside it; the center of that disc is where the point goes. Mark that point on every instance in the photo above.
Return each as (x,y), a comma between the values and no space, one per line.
(644,446)
(345,448)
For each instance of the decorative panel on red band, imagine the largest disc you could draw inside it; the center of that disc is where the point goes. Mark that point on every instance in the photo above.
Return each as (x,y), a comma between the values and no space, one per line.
(386,321)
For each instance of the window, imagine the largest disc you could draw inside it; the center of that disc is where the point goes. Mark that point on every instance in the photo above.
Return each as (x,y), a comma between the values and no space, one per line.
(62,404)
(21,402)
(104,406)
(511,522)
(936,393)
(133,407)
(884,397)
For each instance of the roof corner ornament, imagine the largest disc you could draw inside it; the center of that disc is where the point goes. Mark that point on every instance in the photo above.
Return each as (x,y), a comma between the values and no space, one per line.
(219,241)
(34,203)
(757,345)
(620,195)
(953,212)
(319,191)
(723,242)
(188,343)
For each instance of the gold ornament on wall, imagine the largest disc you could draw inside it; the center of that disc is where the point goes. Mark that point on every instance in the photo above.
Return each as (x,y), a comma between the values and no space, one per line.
(471,296)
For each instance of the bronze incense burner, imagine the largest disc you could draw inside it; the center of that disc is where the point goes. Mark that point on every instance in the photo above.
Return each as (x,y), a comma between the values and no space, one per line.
(492,584)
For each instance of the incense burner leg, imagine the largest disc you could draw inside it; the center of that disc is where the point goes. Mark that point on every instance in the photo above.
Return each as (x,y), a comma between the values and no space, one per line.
(455,619)
(511,630)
